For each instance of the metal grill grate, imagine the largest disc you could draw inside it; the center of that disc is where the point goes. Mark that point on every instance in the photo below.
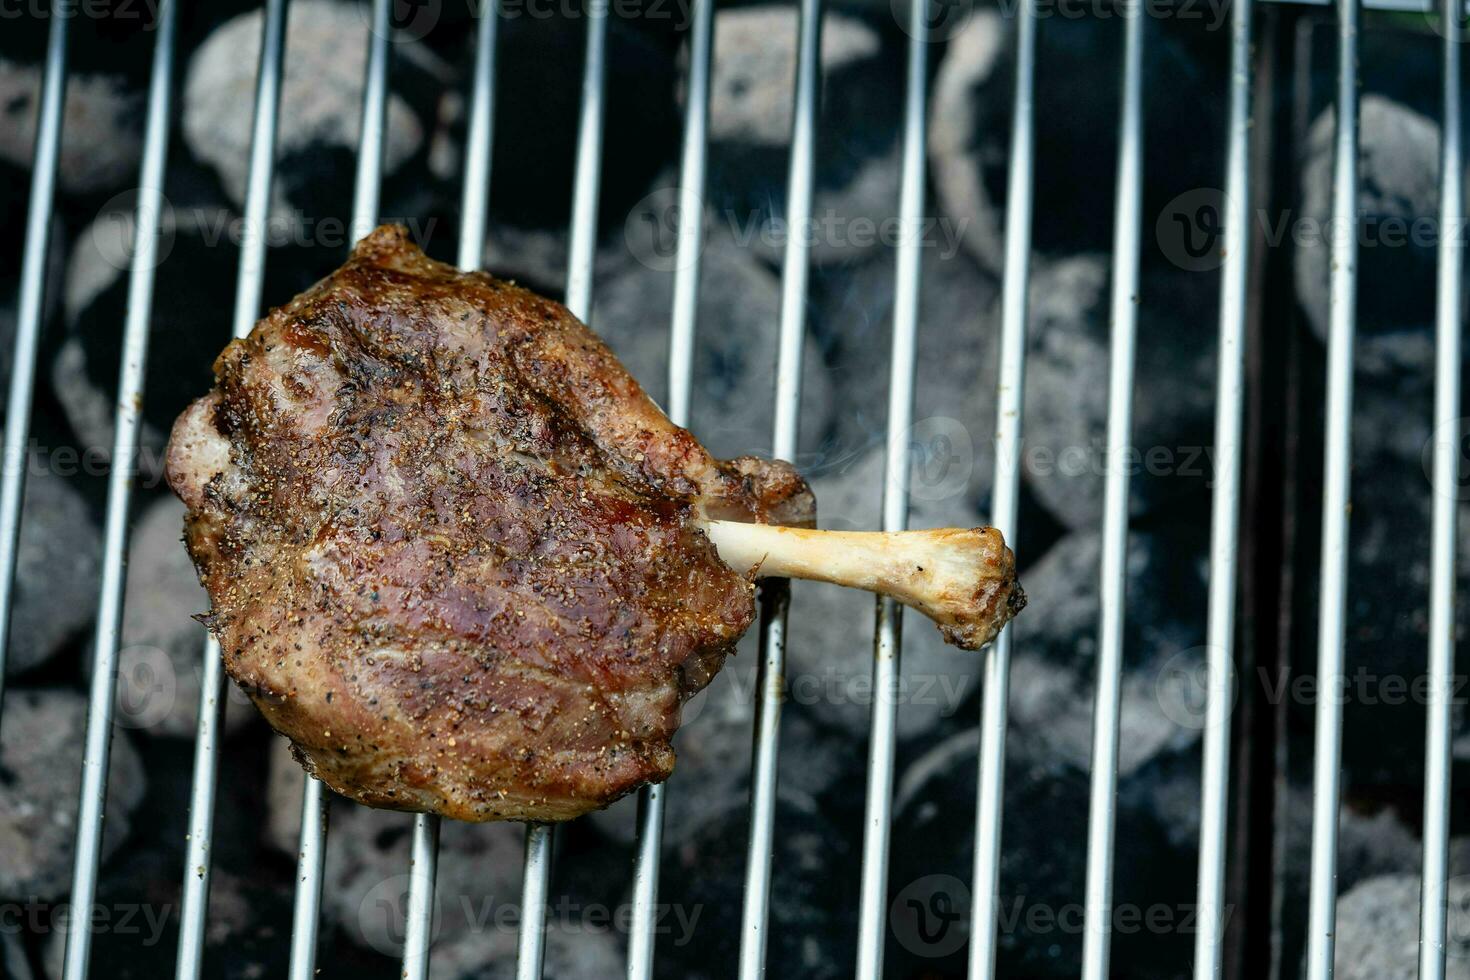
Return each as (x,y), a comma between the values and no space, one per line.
(775,597)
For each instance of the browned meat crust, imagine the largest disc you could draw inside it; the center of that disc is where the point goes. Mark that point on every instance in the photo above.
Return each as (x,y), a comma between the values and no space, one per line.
(450,544)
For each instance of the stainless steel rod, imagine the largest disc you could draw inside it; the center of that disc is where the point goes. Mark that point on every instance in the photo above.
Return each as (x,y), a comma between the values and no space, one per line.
(249,288)
(311,859)
(474,207)
(418,929)
(771,669)
(888,629)
(1336,486)
(535,889)
(1112,585)
(692,168)
(423,868)
(642,929)
(30,311)
(1009,402)
(1434,893)
(147,228)
(581,262)
(372,132)
(1225,514)
(586,191)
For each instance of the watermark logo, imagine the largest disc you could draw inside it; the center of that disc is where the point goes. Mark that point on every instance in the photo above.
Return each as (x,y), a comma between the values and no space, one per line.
(382,915)
(940,20)
(1190,229)
(941,458)
(1457,917)
(115,234)
(1452,436)
(655,225)
(929,917)
(127,10)
(1189,682)
(147,687)
(1453,25)
(408,20)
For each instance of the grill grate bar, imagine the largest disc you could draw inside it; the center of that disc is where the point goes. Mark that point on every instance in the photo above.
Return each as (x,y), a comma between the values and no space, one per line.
(585,194)
(1433,901)
(474,210)
(531,950)
(312,856)
(474,207)
(311,862)
(581,260)
(249,288)
(372,135)
(423,868)
(888,626)
(692,167)
(128,418)
(775,594)
(1010,400)
(1327,754)
(30,311)
(1225,513)
(1112,588)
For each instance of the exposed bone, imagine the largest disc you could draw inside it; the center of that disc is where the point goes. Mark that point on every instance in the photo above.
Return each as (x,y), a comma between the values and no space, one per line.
(964,580)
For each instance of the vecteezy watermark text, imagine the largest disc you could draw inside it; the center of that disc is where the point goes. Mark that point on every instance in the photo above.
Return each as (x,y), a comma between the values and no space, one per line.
(40,918)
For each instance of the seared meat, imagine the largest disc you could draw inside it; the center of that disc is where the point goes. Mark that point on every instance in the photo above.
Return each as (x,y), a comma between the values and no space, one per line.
(457,556)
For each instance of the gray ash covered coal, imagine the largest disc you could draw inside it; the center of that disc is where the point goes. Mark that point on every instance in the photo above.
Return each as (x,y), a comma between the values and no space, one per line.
(1043,863)
(750,126)
(56,569)
(954,394)
(827,715)
(1055,667)
(733,397)
(194,280)
(159,667)
(813,929)
(40,770)
(320,114)
(1076,135)
(1065,461)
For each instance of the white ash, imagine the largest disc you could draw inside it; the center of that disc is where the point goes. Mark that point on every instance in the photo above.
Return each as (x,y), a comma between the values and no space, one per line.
(320,97)
(1076,136)
(954,391)
(1398,195)
(1378,930)
(160,659)
(1064,458)
(1054,655)
(96,273)
(367,874)
(40,766)
(713,746)
(752,80)
(958,160)
(572,950)
(733,394)
(856,160)
(56,574)
(102,123)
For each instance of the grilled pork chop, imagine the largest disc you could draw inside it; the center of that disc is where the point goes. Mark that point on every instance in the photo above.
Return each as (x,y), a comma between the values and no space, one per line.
(457,556)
